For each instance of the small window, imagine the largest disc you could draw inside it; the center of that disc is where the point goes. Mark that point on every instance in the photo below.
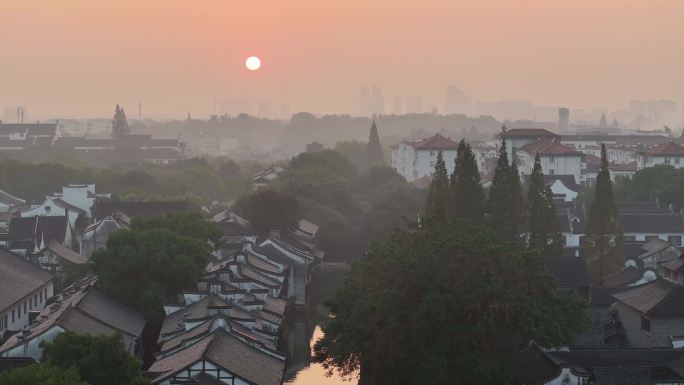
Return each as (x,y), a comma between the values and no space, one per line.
(12,316)
(551,172)
(629,238)
(645,325)
(675,240)
(651,237)
(24,307)
(552,159)
(676,160)
(667,160)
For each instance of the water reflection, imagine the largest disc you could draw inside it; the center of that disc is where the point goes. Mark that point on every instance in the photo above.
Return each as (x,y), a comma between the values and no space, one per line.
(304,330)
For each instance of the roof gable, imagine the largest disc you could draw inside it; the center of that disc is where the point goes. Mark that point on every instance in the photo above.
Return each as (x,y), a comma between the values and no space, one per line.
(437,142)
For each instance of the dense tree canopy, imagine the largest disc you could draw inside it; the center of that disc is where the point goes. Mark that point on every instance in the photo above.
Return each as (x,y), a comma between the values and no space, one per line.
(148,267)
(101,360)
(41,374)
(269,209)
(662,182)
(446,304)
(439,197)
(192,225)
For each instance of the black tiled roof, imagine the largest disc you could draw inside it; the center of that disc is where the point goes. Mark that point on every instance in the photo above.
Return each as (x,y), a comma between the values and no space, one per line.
(651,223)
(571,272)
(19,278)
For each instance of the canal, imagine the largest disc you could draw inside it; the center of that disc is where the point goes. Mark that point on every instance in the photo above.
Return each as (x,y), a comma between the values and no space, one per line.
(304,329)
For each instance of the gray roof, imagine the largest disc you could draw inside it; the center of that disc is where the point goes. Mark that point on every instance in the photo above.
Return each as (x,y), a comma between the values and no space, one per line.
(10,199)
(657,298)
(229,353)
(651,223)
(19,278)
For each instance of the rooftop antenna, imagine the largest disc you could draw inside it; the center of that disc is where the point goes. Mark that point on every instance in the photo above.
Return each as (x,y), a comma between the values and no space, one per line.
(139,110)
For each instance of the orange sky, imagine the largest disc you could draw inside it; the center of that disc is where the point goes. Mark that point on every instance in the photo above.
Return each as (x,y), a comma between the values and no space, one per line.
(79,57)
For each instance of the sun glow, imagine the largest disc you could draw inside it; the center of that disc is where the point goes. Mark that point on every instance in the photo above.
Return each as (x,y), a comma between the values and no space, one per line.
(253,63)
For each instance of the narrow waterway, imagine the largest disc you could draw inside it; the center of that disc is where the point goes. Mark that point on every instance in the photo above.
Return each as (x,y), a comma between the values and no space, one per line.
(305,329)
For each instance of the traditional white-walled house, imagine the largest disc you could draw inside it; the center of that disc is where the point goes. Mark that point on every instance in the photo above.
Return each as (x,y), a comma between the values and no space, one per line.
(81,309)
(61,261)
(218,356)
(555,158)
(55,207)
(517,138)
(599,366)
(563,187)
(95,235)
(9,201)
(668,153)
(651,313)
(415,159)
(646,226)
(24,289)
(30,235)
(267,176)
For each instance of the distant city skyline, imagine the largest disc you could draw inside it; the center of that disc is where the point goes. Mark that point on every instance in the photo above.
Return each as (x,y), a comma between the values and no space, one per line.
(79,58)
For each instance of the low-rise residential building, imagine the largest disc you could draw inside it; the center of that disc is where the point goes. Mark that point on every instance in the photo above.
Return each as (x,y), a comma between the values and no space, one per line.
(555,158)
(24,290)
(517,138)
(218,356)
(415,159)
(81,309)
(95,235)
(667,153)
(61,261)
(264,177)
(30,235)
(651,313)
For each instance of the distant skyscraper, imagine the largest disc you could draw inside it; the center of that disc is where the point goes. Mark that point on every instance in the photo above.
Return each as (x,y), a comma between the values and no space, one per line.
(237,107)
(264,110)
(414,105)
(457,102)
(563,119)
(397,108)
(372,102)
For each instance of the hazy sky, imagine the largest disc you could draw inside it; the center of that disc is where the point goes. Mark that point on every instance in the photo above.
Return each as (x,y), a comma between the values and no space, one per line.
(80,57)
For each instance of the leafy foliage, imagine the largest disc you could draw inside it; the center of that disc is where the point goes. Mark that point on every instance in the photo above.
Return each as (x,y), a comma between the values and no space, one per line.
(269,209)
(662,182)
(196,178)
(446,304)
(191,224)
(374,157)
(147,267)
(41,374)
(101,359)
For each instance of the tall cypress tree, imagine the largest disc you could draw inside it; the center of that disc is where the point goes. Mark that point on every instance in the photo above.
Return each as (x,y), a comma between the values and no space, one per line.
(602,246)
(466,191)
(505,198)
(438,195)
(119,122)
(374,155)
(542,224)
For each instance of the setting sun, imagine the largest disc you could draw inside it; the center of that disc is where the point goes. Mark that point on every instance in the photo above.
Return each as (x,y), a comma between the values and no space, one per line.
(253,63)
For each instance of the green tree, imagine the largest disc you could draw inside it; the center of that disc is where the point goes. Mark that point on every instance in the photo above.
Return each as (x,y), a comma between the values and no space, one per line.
(438,194)
(41,374)
(542,224)
(444,305)
(269,209)
(602,243)
(468,197)
(374,156)
(505,198)
(101,359)
(147,268)
(190,225)
(119,123)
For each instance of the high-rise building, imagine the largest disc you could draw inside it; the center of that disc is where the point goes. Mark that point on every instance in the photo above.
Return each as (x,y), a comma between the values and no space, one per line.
(414,105)
(457,102)
(397,107)
(563,119)
(371,103)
